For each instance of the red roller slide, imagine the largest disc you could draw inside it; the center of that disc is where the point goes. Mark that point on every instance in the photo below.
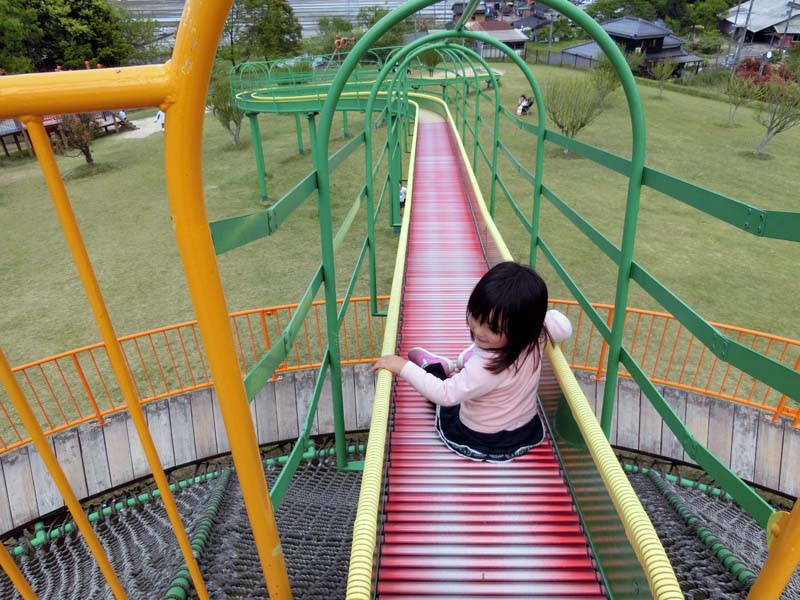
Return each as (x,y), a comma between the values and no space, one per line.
(455,528)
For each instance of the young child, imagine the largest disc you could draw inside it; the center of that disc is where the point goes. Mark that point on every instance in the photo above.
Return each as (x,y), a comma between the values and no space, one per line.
(486,405)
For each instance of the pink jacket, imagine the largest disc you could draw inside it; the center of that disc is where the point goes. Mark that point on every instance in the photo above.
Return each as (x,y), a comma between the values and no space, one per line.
(490,402)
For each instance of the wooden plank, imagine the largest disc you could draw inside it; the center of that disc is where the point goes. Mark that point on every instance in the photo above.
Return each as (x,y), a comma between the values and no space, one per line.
(205,435)
(223,443)
(670,446)
(650,426)
(6,522)
(720,435)
(19,479)
(364,382)
(628,400)
(95,461)
(304,392)
(266,417)
(286,408)
(180,417)
(745,440)
(325,407)
(161,431)
(790,473)
(68,452)
(118,449)
(769,451)
(48,498)
(138,459)
(349,398)
(698,412)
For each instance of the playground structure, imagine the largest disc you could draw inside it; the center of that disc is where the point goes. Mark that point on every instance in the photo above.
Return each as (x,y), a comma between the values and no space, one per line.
(400,101)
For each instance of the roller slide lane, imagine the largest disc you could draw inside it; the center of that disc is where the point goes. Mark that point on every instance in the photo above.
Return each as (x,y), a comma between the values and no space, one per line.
(454,528)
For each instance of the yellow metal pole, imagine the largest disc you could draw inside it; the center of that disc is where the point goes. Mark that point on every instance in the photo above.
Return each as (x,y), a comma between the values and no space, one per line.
(50,461)
(783,558)
(15,575)
(192,60)
(85,90)
(69,225)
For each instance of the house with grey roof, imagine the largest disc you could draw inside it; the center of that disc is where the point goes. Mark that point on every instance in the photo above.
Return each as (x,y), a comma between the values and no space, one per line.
(637,35)
(776,22)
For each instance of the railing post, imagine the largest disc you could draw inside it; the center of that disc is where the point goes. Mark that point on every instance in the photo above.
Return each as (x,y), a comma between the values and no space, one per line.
(87,389)
(299,129)
(782,403)
(604,347)
(258,150)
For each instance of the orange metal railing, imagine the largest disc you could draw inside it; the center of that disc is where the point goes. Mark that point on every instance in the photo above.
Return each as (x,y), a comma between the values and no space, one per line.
(77,386)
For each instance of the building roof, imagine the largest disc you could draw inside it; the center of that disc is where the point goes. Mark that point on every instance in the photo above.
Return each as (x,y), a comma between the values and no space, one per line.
(673,41)
(533,21)
(674,55)
(508,35)
(458,8)
(766,14)
(494,25)
(634,28)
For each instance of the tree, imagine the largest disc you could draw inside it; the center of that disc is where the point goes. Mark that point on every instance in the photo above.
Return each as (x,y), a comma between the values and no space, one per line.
(605,76)
(572,103)
(739,90)
(706,13)
(232,46)
(430,58)
(275,32)
(80,131)
(78,30)
(224,108)
(18,32)
(662,71)
(779,111)
(368,16)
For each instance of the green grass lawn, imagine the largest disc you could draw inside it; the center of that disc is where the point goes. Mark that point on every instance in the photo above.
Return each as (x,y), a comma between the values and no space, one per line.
(725,274)
(125,221)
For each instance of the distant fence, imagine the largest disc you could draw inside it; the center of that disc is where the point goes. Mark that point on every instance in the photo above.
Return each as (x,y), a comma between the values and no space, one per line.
(550,57)
(78,386)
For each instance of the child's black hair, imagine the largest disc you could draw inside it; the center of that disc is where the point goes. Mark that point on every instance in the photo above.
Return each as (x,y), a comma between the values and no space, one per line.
(511,299)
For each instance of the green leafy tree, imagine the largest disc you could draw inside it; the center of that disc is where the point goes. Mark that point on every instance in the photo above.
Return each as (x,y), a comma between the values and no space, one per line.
(739,90)
(572,103)
(80,130)
(430,58)
(369,16)
(605,76)
(224,108)
(706,13)
(74,31)
(232,45)
(333,25)
(603,10)
(779,111)
(662,71)
(275,32)
(19,31)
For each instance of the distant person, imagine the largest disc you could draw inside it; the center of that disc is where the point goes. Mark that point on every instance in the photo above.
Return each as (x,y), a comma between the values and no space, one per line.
(161,117)
(486,400)
(524,105)
(403,192)
(122,116)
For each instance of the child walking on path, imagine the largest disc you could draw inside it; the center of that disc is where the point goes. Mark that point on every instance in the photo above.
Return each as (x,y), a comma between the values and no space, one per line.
(486,405)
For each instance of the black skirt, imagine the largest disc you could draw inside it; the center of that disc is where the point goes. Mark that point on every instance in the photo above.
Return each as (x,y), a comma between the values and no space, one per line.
(492,447)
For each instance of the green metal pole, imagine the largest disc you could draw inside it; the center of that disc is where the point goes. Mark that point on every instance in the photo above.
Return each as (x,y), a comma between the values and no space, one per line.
(299,129)
(312,130)
(255,133)
(345,130)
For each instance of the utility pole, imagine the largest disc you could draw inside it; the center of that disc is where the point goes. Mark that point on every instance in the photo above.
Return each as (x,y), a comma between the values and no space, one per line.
(741,40)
